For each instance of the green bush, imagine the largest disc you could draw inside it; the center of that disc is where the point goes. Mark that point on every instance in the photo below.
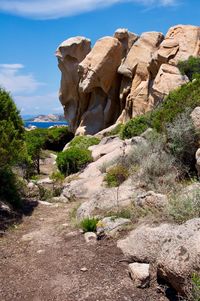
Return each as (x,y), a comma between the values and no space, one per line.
(190,67)
(73,160)
(183,208)
(10,188)
(89,224)
(116,175)
(195,287)
(158,168)
(12,148)
(84,142)
(135,127)
(57,137)
(183,140)
(11,131)
(115,131)
(57,177)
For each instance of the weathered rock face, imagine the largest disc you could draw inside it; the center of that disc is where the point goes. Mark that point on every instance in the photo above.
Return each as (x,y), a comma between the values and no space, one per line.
(70,53)
(122,76)
(173,249)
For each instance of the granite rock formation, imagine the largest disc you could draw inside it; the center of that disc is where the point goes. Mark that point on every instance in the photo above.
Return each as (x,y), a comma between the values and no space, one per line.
(121,76)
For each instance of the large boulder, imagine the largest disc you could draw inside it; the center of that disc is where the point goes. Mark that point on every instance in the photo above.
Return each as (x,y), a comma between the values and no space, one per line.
(167,79)
(181,42)
(70,53)
(99,80)
(122,76)
(173,249)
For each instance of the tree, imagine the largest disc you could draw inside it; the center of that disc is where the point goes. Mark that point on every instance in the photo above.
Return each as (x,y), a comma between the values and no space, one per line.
(34,143)
(11,131)
(12,147)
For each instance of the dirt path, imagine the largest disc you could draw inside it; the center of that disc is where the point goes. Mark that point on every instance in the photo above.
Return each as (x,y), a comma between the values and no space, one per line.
(42,259)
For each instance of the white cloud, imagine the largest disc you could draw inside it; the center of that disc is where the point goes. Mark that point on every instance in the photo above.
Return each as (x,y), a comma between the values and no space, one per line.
(52,9)
(39,104)
(14,81)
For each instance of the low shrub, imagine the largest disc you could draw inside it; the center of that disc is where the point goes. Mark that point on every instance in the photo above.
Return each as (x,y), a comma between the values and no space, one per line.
(156,167)
(89,224)
(115,131)
(57,138)
(195,287)
(57,177)
(135,126)
(183,208)
(10,188)
(73,160)
(190,67)
(84,142)
(116,175)
(183,140)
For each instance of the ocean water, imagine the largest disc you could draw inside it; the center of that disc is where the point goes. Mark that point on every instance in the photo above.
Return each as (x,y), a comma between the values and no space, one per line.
(42,125)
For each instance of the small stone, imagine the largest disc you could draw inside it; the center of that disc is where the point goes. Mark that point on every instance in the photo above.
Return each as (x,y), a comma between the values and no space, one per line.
(65,225)
(90,237)
(140,274)
(84,269)
(40,252)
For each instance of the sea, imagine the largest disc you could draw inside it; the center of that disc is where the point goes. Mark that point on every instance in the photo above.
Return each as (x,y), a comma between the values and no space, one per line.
(43,125)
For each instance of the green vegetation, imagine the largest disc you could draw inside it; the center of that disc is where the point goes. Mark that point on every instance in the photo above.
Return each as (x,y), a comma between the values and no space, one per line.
(183,208)
(116,130)
(77,156)
(160,171)
(39,139)
(34,142)
(56,138)
(116,175)
(12,147)
(73,160)
(190,67)
(183,140)
(84,142)
(195,287)
(11,131)
(135,127)
(89,224)
(57,176)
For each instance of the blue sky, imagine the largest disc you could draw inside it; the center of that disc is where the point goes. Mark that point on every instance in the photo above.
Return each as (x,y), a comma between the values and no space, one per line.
(31,30)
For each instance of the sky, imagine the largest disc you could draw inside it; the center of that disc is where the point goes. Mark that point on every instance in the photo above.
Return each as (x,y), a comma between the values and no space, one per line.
(31,30)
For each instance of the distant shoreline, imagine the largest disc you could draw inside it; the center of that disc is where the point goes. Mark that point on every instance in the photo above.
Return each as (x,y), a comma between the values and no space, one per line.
(44,124)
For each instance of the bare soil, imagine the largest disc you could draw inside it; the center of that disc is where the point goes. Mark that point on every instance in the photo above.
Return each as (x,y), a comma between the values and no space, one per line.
(41,260)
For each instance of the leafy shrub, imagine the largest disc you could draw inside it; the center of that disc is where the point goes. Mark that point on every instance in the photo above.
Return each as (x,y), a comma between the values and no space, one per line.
(195,287)
(10,188)
(73,160)
(183,208)
(12,148)
(89,224)
(84,142)
(57,177)
(116,130)
(190,67)
(35,141)
(183,140)
(187,96)
(11,131)
(135,126)
(157,167)
(57,137)
(116,175)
